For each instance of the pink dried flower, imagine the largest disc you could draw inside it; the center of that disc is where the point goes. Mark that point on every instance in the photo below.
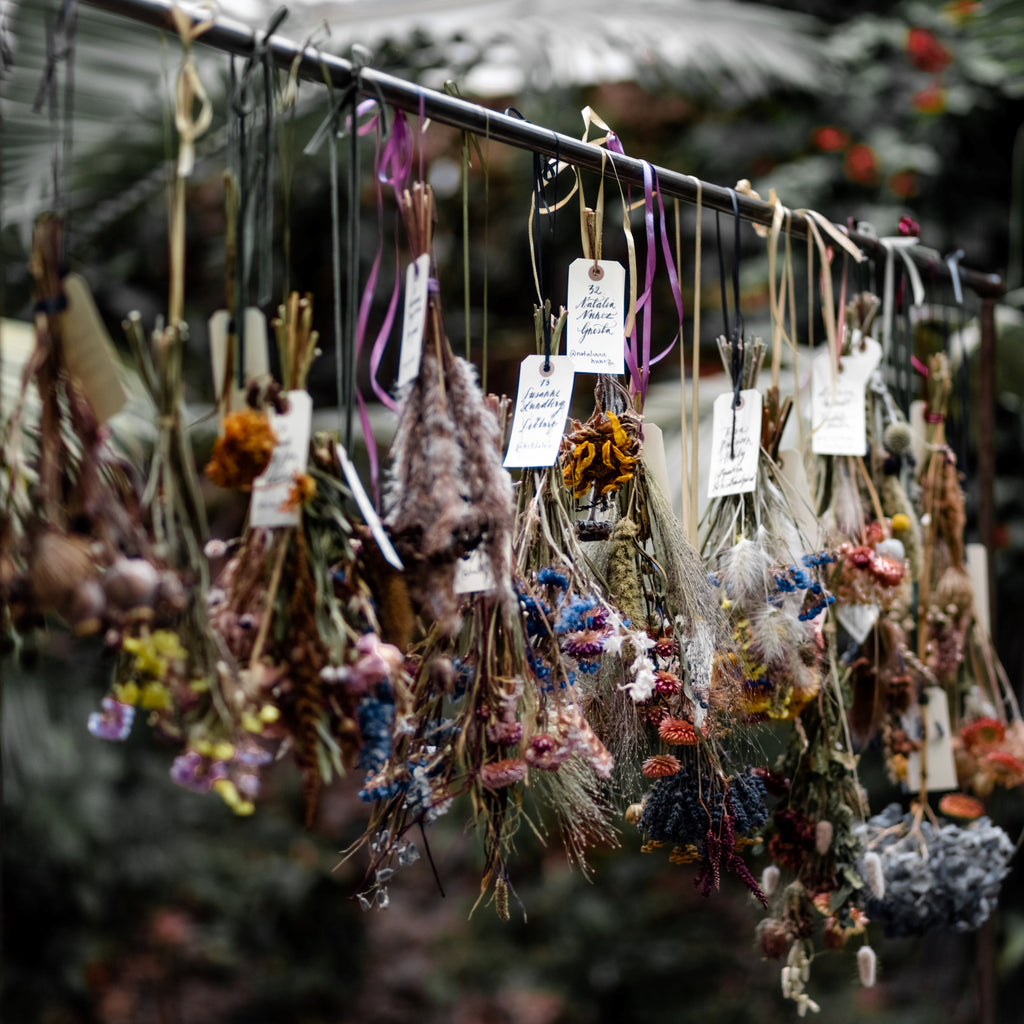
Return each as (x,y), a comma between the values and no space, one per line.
(506,772)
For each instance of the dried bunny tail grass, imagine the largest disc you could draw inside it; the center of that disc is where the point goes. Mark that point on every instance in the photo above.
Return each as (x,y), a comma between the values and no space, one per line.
(745,571)
(776,632)
(581,808)
(867,966)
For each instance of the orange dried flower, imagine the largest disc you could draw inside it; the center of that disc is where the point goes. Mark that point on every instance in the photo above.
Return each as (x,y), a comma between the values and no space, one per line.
(660,766)
(603,454)
(982,734)
(1008,770)
(243,451)
(962,806)
(678,732)
(302,491)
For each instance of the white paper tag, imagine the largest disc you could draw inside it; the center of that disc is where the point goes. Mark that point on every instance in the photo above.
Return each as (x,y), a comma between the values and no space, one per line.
(89,354)
(595,332)
(368,512)
(798,494)
(542,405)
(976,557)
(257,363)
(734,455)
(652,454)
(473,573)
(414,319)
(857,619)
(271,490)
(940,763)
(838,420)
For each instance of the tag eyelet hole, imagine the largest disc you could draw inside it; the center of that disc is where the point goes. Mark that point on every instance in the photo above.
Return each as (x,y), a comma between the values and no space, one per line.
(596,272)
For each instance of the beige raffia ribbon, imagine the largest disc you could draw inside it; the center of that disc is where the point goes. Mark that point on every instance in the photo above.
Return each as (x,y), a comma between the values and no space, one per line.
(189,90)
(901,244)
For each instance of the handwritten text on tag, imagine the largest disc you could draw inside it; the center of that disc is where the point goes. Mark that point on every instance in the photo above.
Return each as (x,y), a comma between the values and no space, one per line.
(838,422)
(542,405)
(414,318)
(595,338)
(734,454)
(940,764)
(473,573)
(272,489)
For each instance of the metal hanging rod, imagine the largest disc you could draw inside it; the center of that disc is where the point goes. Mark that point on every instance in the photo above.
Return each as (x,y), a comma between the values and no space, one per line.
(237,38)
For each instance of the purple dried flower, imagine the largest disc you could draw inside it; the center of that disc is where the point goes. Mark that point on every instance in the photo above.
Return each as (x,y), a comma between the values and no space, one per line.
(114,722)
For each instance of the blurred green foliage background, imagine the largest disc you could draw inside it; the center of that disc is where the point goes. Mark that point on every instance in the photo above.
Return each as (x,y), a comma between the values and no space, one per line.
(128,901)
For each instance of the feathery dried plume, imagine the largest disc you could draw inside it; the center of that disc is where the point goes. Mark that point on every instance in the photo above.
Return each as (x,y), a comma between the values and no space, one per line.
(744,571)
(775,631)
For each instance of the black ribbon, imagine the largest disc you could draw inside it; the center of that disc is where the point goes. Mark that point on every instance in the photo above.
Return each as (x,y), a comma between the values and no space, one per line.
(252,164)
(735,336)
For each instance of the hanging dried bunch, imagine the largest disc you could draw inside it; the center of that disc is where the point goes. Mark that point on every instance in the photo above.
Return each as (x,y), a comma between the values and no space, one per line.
(448,493)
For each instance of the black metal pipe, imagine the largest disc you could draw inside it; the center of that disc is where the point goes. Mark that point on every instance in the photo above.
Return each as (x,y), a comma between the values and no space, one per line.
(235,37)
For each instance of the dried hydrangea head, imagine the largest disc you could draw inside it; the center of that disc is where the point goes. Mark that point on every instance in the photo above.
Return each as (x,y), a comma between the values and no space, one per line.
(243,450)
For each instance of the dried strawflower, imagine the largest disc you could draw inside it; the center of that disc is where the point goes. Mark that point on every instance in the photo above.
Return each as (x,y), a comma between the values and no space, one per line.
(677,732)
(982,734)
(243,450)
(497,774)
(962,806)
(661,766)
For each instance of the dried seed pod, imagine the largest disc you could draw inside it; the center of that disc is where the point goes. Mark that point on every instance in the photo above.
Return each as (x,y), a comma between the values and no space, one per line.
(57,565)
(131,583)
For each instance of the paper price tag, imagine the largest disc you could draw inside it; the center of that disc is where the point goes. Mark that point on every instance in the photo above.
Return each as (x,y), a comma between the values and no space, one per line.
(940,764)
(368,512)
(735,454)
(414,319)
(652,454)
(473,573)
(89,354)
(257,361)
(542,405)
(271,490)
(595,331)
(838,420)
